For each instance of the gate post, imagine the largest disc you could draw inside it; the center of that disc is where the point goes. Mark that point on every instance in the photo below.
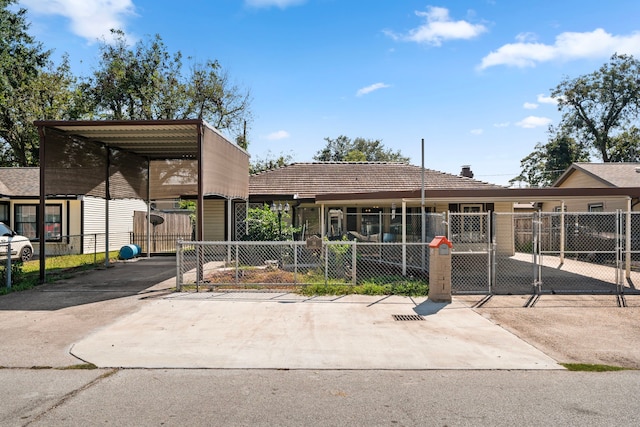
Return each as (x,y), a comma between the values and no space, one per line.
(440,269)
(536,225)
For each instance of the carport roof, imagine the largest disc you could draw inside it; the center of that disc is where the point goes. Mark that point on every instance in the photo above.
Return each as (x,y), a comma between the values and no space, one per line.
(154,139)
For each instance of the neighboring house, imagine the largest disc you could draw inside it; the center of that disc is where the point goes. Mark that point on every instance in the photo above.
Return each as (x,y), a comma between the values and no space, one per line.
(73,224)
(598,175)
(367,200)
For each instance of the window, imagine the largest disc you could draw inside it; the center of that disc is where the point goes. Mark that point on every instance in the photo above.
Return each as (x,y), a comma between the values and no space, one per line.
(4,213)
(26,222)
(53,222)
(596,207)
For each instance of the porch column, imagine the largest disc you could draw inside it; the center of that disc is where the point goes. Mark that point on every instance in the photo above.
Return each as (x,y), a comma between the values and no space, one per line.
(323,225)
(107,196)
(229,223)
(148,208)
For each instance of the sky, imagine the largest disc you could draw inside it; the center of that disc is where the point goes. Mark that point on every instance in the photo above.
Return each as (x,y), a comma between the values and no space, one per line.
(472,78)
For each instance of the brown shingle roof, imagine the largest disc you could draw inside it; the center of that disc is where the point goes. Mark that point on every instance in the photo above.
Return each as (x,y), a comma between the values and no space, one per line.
(612,174)
(20,182)
(310,179)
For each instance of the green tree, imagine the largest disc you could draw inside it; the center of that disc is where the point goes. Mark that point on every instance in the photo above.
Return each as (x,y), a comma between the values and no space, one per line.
(264,225)
(25,91)
(548,161)
(343,149)
(269,162)
(625,146)
(146,82)
(598,106)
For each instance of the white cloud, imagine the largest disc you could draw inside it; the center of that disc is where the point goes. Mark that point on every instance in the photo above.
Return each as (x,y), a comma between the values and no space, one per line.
(543,99)
(282,4)
(438,28)
(371,88)
(91,20)
(281,134)
(530,106)
(567,46)
(533,122)
(526,37)
(477,131)
(502,125)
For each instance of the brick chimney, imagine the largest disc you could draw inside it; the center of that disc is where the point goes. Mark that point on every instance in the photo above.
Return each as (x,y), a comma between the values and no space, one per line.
(466,171)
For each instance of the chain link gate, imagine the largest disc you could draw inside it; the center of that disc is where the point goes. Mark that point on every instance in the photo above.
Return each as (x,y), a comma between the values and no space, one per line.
(471,255)
(570,252)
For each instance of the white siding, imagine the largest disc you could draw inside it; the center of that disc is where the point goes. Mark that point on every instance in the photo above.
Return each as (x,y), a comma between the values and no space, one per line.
(120,222)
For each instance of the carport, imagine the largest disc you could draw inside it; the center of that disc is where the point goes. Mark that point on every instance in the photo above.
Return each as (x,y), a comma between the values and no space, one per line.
(146,160)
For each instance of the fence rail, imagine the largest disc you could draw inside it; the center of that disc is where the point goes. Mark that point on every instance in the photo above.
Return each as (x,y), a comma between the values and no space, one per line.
(294,263)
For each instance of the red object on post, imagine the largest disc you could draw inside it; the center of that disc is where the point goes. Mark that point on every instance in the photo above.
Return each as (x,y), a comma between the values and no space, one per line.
(439,241)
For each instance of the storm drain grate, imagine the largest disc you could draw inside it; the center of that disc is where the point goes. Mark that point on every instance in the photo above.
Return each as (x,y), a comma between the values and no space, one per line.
(407,317)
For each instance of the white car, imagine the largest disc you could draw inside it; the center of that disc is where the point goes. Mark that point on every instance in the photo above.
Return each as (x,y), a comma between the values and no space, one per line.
(21,247)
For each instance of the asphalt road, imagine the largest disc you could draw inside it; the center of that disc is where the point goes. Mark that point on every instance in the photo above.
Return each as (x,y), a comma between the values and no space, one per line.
(38,328)
(183,397)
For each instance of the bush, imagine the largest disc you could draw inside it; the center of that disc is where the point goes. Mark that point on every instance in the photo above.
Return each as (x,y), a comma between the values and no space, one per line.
(17,274)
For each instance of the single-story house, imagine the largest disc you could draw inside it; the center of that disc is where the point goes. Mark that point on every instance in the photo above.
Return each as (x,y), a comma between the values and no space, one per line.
(73,224)
(383,201)
(583,175)
(367,200)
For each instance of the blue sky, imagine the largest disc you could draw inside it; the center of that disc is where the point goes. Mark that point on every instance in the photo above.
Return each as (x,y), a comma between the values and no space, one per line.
(472,78)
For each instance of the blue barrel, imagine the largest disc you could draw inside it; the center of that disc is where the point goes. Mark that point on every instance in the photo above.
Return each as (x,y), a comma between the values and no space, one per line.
(129,251)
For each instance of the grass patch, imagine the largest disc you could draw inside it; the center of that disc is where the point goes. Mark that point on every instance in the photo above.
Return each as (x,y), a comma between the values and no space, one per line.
(57,268)
(383,285)
(588,367)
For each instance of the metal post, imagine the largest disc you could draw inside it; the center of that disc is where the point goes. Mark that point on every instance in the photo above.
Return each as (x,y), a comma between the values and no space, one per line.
(537,256)
(494,249)
(198,264)
(422,215)
(41,206)
(295,262)
(9,263)
(326,262)
(618,249)
(627,252)
(354,260)
(179,265)
(404,238)
(562,233)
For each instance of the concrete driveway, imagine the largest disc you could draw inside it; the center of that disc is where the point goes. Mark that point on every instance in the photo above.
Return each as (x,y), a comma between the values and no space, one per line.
(288,331)
(126,316)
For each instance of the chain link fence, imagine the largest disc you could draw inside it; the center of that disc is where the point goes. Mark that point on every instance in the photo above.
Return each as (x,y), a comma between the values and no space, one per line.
(493,253)
(297,263)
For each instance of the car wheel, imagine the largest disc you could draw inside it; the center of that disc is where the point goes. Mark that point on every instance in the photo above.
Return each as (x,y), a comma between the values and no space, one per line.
(25,254)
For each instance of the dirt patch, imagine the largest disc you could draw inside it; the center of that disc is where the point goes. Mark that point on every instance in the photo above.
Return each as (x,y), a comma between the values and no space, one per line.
(254,277)
(570,328)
